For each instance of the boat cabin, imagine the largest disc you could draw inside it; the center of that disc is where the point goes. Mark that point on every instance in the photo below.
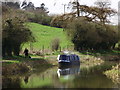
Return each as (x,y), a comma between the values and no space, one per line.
(68,58)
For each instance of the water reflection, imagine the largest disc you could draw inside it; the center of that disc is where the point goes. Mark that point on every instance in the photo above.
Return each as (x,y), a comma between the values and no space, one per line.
(26,79)
(63,77)
(10,82)
(66,71)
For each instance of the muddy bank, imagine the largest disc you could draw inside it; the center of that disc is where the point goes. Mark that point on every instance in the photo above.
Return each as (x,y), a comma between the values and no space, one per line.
(13,72)
(110,57)
(114,74)
(24,67)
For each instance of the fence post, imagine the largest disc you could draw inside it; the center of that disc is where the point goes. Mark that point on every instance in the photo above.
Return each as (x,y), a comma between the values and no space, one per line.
(31,47)
(48,50)
(60,48)
(43,49)
(67,47)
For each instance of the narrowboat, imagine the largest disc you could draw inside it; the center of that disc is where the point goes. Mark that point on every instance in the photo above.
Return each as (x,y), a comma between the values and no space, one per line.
(68,59)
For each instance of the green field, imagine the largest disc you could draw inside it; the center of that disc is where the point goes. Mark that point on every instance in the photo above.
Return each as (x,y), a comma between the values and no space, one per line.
(45,34)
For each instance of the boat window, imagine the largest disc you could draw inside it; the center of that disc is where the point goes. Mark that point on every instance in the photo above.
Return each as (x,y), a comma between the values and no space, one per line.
(68,58)
(77,57)
(71,57)
(63,57)
(74,57)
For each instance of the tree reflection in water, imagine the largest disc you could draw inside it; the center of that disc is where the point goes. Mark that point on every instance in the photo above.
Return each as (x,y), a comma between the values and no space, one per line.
(11,82)
(63,77)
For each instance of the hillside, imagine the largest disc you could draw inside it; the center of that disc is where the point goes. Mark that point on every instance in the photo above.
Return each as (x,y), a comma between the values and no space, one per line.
(45,34)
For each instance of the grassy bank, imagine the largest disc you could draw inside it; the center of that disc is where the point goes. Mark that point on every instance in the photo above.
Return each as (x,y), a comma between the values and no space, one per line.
(107,55)
(114,74)
(45,34)
(21,65)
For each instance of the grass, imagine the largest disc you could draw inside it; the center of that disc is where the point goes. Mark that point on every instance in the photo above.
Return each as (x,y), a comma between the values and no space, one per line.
(17,64)
(113,74)
(20,59)
(36,82)
(101,52)
(45,34)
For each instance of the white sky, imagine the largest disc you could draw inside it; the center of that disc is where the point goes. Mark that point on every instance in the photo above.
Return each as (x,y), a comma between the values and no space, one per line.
(58,8)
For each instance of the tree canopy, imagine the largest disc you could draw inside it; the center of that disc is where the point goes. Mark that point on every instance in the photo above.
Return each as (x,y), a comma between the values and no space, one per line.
(15,33)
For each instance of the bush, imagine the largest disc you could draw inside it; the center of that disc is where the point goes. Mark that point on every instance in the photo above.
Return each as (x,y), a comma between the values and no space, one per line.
(119,46)
(57,22)
(89,35)
(39,17)
(55,44)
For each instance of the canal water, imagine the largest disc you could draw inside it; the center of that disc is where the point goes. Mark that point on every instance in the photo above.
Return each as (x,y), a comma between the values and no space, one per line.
(64,77)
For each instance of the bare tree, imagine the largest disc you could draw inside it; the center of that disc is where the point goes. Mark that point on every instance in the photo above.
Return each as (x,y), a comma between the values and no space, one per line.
(98,14)
(105,10)
(103,3)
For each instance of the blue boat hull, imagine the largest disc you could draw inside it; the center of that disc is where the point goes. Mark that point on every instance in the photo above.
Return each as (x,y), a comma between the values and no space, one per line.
(69,63)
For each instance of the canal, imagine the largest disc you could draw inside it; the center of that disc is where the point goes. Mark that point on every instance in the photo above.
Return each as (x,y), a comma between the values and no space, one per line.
(64,77)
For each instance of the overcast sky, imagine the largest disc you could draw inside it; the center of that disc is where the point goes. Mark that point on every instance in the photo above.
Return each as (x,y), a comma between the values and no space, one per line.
(56,6)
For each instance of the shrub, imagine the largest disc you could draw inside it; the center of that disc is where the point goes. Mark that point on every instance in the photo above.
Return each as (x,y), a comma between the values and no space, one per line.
(55,44)
(119,46)
(57,22)
(39,17)
(89,35)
